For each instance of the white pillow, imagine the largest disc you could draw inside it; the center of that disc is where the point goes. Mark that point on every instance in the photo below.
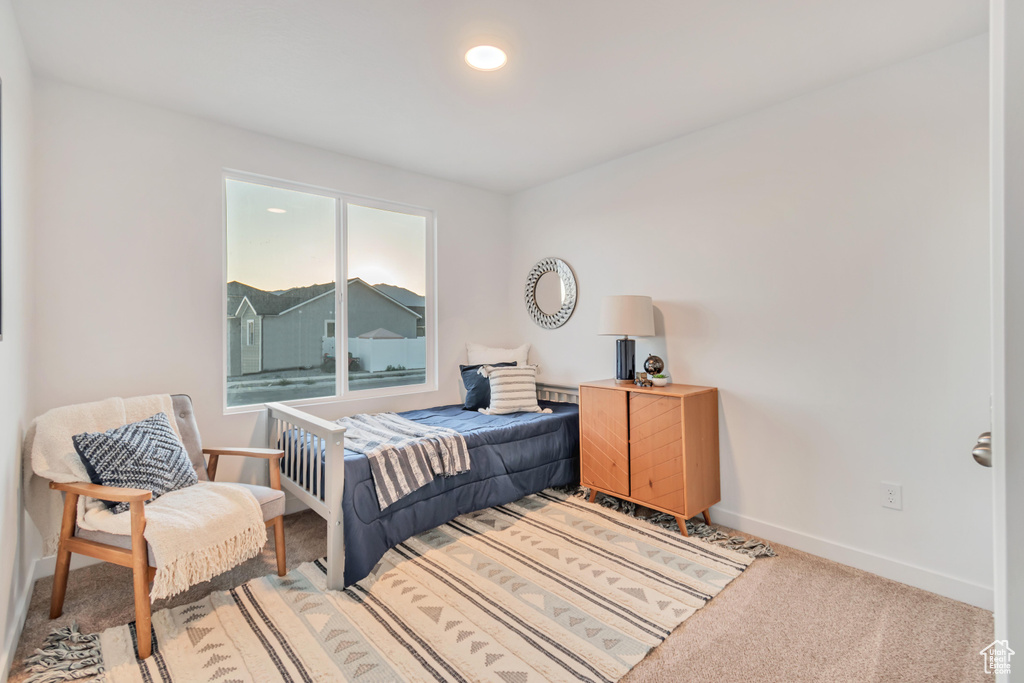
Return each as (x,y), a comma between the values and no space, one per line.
(513,390)
(478,354)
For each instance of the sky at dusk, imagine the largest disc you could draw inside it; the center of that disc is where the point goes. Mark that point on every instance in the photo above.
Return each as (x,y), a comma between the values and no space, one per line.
(273,250)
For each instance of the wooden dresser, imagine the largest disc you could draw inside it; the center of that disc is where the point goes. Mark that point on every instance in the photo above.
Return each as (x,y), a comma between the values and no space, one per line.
(656,446)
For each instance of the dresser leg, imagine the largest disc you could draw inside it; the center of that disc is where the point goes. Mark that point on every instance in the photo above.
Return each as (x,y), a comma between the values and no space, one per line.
(681,521)
(707,517)
(593,495)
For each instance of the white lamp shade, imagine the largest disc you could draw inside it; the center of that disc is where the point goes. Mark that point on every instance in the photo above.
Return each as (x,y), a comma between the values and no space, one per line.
(630,316)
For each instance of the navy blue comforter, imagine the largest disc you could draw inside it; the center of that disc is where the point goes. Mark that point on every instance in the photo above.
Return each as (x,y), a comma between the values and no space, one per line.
(511,456)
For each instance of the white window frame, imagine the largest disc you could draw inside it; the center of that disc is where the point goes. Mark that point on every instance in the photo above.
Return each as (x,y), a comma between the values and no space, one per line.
(250,332)
(342,200)
(327,324)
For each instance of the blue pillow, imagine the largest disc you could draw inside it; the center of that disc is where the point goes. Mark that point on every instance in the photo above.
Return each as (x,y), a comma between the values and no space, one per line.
(478,387)
(142,455)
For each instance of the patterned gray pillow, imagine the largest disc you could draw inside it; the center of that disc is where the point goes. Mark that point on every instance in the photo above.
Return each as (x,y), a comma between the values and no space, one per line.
(142,455)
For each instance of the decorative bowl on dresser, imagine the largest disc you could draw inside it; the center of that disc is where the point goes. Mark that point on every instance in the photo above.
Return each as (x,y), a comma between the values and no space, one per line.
(655,446)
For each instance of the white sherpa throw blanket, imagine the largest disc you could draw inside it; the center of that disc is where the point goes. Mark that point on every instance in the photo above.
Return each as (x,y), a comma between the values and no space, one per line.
(195,533)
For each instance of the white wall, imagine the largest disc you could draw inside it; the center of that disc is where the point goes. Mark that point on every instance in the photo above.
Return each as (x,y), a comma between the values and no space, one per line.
(15,174)
(130,268)
(823,262)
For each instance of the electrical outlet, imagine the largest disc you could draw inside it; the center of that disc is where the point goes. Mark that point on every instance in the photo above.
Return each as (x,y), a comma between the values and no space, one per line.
(892,495)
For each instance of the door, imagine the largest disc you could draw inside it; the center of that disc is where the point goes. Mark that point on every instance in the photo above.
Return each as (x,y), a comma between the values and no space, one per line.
(604,440)
(1007,448)
(656,468)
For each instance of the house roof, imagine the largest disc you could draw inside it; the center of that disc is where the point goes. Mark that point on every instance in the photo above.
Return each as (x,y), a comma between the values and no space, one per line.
(276,303)
(272,303)
(380,333)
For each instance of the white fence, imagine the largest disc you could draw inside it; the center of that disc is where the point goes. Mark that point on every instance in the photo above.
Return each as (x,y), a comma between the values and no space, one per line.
(375,355)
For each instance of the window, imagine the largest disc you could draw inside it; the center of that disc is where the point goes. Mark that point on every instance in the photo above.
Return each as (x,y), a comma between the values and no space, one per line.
(386,302)
(287,247)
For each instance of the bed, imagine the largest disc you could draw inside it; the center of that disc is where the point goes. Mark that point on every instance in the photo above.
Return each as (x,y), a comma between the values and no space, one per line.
(512,456)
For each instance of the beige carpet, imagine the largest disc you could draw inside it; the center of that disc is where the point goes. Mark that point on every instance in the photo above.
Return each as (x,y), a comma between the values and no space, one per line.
(795,617)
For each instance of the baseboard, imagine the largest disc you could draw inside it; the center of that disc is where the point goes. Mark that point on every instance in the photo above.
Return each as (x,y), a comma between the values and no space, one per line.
(45,566)
(21,614)
(919,577)
(292,504)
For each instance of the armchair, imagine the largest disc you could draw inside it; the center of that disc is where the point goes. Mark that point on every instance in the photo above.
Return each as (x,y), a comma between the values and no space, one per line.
(133,551)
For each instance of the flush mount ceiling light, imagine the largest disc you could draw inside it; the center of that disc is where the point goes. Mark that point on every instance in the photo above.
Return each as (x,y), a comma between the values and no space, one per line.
(277,211)
(486,58)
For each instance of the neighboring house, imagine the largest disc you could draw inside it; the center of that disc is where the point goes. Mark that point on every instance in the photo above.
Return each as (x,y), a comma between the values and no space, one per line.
(411,300)
(370,308)
(284,330)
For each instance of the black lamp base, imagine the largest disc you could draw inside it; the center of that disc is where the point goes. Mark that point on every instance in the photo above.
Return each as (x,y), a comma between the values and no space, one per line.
(625,360)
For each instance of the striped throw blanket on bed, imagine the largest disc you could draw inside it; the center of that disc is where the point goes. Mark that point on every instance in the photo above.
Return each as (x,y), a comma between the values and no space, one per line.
(404,455)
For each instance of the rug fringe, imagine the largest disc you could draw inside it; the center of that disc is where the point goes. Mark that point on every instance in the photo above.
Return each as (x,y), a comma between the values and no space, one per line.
(739,544)
(67,655)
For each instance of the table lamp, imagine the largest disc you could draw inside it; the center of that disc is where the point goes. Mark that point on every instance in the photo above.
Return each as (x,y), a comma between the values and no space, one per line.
(627,316)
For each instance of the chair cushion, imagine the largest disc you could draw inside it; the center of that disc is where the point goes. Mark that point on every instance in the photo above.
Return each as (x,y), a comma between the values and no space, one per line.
(271,503)
(271,500)
(146,455)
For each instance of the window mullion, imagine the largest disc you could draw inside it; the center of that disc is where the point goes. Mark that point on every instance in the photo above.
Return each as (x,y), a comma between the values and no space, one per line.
(341,298)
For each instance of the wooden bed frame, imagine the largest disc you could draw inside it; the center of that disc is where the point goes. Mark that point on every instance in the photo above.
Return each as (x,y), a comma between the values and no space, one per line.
(282,419)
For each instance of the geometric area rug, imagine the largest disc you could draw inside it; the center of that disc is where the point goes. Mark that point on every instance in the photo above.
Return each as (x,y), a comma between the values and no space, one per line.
(549,588)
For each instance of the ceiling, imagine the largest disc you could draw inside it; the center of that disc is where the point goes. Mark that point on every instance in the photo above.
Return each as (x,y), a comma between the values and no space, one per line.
(587,80)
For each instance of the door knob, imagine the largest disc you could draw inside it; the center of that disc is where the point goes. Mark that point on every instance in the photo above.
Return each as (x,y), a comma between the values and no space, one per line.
(983,450)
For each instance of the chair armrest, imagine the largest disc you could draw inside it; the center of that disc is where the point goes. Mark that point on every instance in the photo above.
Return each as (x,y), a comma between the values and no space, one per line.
(265,453)
(271,455)
(114,493)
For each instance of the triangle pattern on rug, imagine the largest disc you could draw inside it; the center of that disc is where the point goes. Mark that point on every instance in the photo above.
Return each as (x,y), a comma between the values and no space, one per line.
(363,668)
(432,612)
(197,633)
(215,659)
(470,585)
(637,593)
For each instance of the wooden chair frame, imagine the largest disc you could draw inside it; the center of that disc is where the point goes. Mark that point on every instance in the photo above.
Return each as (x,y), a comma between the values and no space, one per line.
(137,556)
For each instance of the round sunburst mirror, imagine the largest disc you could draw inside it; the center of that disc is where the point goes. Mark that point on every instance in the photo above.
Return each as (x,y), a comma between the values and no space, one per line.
(550,293)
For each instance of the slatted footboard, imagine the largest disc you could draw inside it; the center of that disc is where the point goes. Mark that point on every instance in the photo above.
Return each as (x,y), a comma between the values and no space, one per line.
(302,437)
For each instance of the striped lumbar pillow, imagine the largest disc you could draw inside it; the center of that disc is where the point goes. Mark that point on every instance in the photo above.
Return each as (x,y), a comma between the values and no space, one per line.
(513,390)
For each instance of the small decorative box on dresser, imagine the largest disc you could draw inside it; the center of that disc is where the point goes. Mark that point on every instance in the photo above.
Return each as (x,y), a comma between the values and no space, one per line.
(655,446)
